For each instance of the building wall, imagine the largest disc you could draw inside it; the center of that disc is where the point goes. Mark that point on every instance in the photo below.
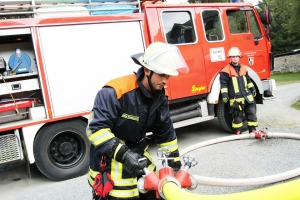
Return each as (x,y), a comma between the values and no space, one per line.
(287,63)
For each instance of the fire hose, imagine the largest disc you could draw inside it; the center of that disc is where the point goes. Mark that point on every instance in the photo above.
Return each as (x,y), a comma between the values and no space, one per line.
(169,186)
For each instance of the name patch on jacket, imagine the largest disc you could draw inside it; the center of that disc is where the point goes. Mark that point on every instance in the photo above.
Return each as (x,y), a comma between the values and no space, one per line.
(127,116)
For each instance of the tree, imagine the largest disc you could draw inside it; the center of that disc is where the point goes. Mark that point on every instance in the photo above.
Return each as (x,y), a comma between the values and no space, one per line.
(285,25)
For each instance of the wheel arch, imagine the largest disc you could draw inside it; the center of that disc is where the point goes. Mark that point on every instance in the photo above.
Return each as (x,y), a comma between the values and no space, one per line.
(30,133)
(258,85)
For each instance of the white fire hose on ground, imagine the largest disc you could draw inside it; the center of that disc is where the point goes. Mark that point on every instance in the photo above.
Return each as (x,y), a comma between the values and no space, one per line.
(244,182)
(170,186)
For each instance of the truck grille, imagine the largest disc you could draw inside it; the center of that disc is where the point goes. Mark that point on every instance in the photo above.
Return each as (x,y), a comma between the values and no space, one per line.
(9,148)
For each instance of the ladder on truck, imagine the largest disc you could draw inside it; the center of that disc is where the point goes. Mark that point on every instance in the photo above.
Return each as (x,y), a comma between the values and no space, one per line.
(17,9)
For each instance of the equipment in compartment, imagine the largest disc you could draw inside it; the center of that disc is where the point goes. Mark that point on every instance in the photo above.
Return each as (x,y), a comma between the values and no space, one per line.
(19,62)
(2,65)
(19,86)
(14,111)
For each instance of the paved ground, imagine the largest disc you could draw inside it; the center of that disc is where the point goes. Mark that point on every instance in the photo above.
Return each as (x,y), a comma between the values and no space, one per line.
(236,159)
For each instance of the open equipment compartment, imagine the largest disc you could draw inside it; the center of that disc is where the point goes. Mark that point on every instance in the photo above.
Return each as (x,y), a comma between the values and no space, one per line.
(20,92)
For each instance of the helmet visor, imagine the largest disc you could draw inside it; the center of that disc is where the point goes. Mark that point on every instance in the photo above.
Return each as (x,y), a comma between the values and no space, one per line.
(168,61)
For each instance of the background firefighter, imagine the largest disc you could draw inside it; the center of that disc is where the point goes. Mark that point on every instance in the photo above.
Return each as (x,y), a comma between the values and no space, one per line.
(124,110)
(237,87)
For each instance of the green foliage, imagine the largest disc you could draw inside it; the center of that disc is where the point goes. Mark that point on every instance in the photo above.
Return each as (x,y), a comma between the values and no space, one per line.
(285,26)
(286,78)
(296,104)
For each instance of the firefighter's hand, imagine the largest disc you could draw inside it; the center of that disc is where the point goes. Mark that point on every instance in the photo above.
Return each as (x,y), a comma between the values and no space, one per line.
(133,162)
(254,93)
(225,98)
(175,163)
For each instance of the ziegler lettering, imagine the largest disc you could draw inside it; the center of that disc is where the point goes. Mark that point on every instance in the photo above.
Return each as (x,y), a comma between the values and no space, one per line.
(197,89)
(131,117)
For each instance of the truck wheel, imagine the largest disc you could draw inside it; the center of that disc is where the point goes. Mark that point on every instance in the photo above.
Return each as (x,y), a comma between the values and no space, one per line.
(224,117)
(61,150)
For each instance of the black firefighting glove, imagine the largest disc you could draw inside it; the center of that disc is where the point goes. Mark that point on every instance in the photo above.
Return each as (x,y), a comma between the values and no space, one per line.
(254,93)
(176,163)
(121,153)
(225,97)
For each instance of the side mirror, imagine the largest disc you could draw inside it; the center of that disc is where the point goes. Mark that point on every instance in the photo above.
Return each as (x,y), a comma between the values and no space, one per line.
(266,17)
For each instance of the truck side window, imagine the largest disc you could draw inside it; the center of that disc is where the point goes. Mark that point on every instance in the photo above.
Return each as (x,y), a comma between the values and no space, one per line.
(212,25)
(254,26)
(178,27)
(237,21)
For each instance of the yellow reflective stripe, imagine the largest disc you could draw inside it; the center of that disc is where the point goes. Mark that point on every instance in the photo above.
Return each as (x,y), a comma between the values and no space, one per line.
(101,136)
(245,81)
(124,193)
(172,145)
(252,123)
(125,182)
(235,84)
(176,159)
(117,149)
(250,97)
(237,125)
(152,166)
(116,169)
(231,101)
(224,90)
(93,173)
(250,85)
(91,180)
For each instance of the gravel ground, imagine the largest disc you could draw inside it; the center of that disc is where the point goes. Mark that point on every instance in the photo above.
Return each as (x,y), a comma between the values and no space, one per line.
(235,159)
(242,159)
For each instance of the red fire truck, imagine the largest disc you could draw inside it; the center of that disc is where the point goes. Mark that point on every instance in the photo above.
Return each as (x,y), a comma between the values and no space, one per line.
(56,54)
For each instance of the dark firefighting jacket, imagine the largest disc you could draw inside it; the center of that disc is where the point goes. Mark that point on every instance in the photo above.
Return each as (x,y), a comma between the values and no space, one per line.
(123,108)
(236,83)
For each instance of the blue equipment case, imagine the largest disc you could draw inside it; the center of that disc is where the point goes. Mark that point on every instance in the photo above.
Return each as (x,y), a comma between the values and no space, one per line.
(20,64)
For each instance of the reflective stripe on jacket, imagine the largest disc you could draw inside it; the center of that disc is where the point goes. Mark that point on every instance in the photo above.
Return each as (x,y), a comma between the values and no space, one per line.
(123,108)
(236,85)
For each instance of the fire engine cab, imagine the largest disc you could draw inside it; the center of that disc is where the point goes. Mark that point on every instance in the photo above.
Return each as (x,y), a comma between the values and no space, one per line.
(56,54)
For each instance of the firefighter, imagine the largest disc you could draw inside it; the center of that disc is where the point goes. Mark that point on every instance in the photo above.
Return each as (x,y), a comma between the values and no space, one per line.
(124,110)
(238,89)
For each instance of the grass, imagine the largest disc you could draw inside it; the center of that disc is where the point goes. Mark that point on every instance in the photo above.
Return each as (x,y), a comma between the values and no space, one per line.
(287,78)
(296,105)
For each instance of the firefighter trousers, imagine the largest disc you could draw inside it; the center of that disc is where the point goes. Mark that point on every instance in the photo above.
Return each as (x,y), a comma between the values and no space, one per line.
(250,113)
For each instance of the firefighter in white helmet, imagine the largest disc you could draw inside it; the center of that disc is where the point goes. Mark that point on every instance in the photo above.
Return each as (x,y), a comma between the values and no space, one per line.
(238,89)
(124,110)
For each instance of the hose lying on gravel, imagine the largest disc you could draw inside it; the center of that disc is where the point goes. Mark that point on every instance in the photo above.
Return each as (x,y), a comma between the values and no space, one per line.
(201,180)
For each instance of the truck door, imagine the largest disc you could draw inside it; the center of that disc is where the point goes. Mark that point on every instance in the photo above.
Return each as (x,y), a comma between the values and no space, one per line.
(214,43)
(178,27)
(244,32)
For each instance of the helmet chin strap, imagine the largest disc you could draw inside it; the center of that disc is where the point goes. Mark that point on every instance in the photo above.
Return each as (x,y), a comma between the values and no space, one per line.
(157,92)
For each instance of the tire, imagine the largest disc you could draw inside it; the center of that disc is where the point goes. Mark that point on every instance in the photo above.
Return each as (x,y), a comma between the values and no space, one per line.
(224,117)
(61,150)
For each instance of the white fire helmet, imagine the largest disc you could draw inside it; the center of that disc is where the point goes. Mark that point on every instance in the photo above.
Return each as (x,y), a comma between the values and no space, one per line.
(162,58)
(234,51)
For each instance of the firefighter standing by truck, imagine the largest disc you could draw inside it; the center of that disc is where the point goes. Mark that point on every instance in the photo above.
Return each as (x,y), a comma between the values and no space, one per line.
(124,110)
(237,87)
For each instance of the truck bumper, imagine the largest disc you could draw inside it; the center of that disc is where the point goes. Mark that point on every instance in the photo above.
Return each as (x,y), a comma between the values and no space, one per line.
(268,86)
